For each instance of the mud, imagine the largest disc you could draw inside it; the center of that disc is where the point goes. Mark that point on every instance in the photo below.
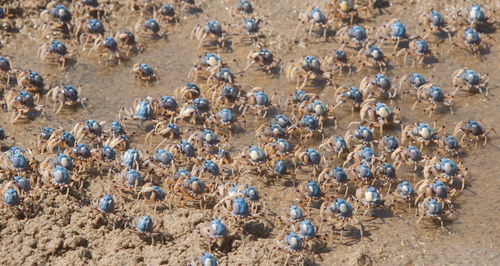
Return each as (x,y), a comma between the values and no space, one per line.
(64,231)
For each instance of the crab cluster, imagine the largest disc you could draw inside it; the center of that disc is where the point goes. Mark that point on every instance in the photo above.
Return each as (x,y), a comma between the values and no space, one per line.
(188,147)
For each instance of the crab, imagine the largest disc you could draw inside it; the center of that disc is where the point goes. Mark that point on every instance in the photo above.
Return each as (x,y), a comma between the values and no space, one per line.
(281,120)
(167,14)
(404,192)
(433,21)
(339,210)
(205,259)
(476,18)
(449,144)
(207,167)
(54,53)
(394,30)
(252,156)
(471,81)
(347,10)
(297,98)
(126,41)
(218,234)
(369,197)
(279,170)
(350,95)
(146,228)
(386,173)
(89,32)
(144,72)
(129,179)
(310,192)
(132,159)
(225,121)
(420,132)
(21,104)
(362,134)
(7,23)
(82,157)
(470,40)
(6,71)
(104,155)
(431,208)
(89,8)
(205,66)
(353,34)
(315,107)
(414,80)
(89,128)
(183,151)
(418,49)
(67,96)
(243,8)
(307,231)
(192,189)
(278,148)
(165,107)
(167,130)
(291,244)
(339,60)
(433,96)
(309,157)
(315,17)
(107,48)
(220,157)
(229,97)
(407,154)
(294,215)
(212,29)
(379,114)
(58,177)
(335,144)
(152,193)
(4,138)
(148,29)
(379,86)
(362,171)
(372,56)
(362,154)
(436,189)
(221,77)
(236,209)
(190,112)
(57,20)
(388,144)
(58,139)
(189,92)
(308,127)
(445,170)
(309,68)
(31,81)
(263,58)
(335,176)
(15,160)
(107,212)
(259,102)
(203,139)
(472,130)
(230,191)
(143,110)
(10,194)
(250,33)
